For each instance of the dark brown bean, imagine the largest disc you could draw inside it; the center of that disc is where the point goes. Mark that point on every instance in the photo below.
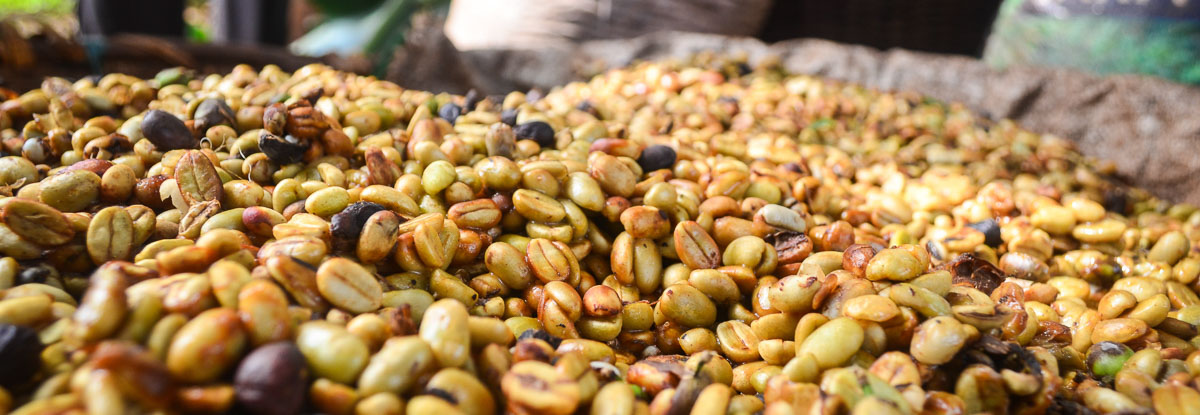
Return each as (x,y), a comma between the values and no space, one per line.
(20,350)
(271,380)
(146,192)
(538,131)
(792,247)
(305,122)
(345,226)
(856,257)
(212,112)
(167,131)
(656,157)
(282,150)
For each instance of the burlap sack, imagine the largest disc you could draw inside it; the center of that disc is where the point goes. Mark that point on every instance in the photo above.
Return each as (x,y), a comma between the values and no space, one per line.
(1146,126)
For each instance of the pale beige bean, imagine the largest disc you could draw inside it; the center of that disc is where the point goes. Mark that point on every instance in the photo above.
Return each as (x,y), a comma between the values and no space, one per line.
(614,398)
(472,397)
(346,284)
(937,340)
(444,326)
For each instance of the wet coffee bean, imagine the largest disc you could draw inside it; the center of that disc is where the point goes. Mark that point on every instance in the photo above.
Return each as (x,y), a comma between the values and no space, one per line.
(790,246)
(271,380)
(450,112)
(586,106)
(146,192)
(20,354)
(471,100)
(345,226)
(542,335)
(212,112)
(1106,358)
(172,76)
(991,231)
(281,150)
(537,131)
(509,116)
(657,157)
(1116,200)
(167,131)
(34,275)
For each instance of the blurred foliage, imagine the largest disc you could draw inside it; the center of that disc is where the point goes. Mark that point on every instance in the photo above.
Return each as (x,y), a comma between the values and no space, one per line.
(57,7)
(374,32)
(345,7)
(1105,45)
(197,27)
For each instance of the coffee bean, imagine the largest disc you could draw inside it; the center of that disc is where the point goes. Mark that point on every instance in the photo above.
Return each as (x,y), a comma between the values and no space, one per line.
(509,116)
(471,100)
(21,351)
(146,192)
(212,112)
(586,106)
(450,111)
(790,246)
(541,335)
(657,157)
(271,380)
(34,275)
(345,226)
(1116,200)
(537,131)
(167,131)
(281,150)
(172,76)
(991,231)
(275,118)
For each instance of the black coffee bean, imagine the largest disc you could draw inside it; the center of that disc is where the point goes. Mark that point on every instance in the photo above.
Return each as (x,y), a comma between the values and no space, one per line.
(471,100)
(1116,200)
(542,335)
(345,226)
(450,112)
(991,231)
(271,380)
(656,157)
(213,112)
(509,116)
(586,106)
(538,131)
(167,131)
(935,250)
(20,355)
(281,150)
(34,275)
